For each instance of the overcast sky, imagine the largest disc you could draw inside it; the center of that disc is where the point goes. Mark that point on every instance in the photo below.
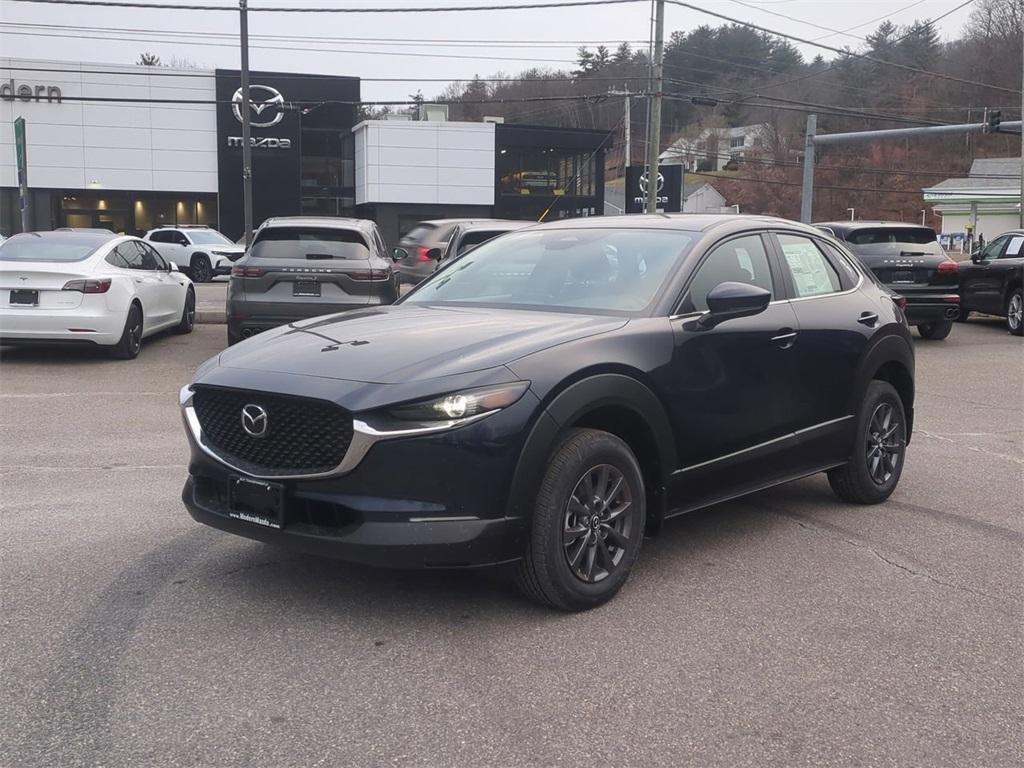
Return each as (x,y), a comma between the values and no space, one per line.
(366,54)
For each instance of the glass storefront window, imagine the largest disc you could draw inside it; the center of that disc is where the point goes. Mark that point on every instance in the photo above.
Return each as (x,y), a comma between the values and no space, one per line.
(327,159)
(533,171)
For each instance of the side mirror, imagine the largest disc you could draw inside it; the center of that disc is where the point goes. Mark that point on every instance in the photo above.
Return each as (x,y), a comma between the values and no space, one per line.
(397,254)
(729,301)
(435,254)
(172,267)
(976,257)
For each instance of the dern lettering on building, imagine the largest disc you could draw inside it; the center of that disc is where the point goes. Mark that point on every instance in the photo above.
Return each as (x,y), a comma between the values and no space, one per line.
(11,91)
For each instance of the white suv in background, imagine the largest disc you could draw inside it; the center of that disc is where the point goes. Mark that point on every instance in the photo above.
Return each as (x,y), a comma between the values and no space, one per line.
(202,252)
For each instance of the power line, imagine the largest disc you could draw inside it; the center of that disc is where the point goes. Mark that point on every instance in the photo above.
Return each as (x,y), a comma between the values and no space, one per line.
(840,51)
(297,9)
(396,41)
(878,18)
(915,193)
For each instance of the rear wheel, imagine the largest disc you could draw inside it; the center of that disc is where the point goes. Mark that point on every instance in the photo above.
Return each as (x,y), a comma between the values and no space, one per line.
(588,523)
(876,461)
(188,313)
(1015,312)
(127,348)
(964,316)
(200,268)
(936,330)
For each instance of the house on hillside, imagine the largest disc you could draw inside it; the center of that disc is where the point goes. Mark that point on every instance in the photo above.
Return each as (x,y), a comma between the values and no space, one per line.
(703,198)
(985,203)
(714,148)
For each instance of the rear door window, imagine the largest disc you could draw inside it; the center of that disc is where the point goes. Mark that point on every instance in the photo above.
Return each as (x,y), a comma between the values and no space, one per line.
(811,272)
(310,243)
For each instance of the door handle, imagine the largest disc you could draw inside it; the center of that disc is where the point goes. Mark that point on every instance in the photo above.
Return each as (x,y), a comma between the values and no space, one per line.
(785,338)
(868,318)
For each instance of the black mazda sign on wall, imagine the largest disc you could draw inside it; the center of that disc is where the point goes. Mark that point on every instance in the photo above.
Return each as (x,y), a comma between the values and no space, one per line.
(277,103)
(670,188)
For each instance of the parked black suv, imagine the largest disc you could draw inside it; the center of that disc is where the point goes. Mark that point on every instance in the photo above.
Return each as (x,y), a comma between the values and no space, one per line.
(555,393)
(305,266)
(908,259)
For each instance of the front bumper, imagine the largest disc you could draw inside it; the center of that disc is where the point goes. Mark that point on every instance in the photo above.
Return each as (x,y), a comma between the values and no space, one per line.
(435,500)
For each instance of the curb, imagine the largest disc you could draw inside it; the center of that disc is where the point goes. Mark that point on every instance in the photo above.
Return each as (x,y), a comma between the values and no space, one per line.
(211,316)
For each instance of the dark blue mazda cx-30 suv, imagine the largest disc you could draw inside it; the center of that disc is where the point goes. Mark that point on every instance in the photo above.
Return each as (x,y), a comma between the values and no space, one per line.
(554,395)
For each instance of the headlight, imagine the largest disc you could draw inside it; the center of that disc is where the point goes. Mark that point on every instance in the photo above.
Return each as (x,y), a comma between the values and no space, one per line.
(456,407)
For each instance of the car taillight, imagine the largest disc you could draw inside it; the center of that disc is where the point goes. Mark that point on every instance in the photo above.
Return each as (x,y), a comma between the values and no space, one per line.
(102,285)
(248,272)
(899,301)
(421,253)
(371,274)
(946,267)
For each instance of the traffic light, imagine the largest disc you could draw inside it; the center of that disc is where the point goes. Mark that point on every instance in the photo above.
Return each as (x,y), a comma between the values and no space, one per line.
(993,119)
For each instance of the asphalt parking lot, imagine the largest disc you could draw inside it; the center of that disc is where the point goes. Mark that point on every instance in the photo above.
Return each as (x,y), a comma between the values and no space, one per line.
(784,629)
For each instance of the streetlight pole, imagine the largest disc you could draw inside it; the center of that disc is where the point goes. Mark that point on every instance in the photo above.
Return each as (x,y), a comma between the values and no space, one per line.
(245,109)
(628,121)
(654,137)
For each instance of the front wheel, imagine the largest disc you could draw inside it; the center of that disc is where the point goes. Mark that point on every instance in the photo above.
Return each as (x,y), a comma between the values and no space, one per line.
(202,271)
(936,330)
(588,523)
(1015,313)
(876,461)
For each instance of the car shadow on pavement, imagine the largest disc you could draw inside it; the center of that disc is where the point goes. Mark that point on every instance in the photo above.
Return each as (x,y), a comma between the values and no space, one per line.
(76,354)
(682,550)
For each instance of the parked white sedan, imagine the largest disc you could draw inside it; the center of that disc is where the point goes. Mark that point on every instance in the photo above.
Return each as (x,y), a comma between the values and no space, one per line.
(89,287)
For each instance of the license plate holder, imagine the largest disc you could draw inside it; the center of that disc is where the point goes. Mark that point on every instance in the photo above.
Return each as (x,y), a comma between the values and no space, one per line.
(903,276)
(305,288)
(24,298)
(256,502)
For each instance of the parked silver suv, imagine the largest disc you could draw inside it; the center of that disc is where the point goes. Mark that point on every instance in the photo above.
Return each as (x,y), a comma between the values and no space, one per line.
(305,266)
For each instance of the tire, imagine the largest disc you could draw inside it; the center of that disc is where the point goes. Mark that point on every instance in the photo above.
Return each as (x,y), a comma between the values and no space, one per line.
(188,313)
(582,572)
(1014,308)
(936,330)
(964,316)
(127,348)
(201,269)
(233,338)
(861,480)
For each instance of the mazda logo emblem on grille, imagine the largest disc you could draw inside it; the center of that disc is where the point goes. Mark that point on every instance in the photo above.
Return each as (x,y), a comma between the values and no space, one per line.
(254,420)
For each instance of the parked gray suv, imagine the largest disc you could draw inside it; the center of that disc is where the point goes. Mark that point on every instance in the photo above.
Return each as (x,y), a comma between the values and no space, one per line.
(305,266)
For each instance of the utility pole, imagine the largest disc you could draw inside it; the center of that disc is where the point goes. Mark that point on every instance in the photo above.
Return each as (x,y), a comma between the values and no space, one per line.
(654,137)
(246,128)
(807,190)
(627,119)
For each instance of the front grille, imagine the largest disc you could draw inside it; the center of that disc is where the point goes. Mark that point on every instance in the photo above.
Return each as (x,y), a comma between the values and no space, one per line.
(304,435)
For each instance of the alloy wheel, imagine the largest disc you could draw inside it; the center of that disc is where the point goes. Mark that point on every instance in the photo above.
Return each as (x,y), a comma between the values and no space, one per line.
(1015,312)
(596,527)
(135,333)
(884,448)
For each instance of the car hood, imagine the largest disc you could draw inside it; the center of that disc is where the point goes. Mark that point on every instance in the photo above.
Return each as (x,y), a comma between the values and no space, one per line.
(403,343)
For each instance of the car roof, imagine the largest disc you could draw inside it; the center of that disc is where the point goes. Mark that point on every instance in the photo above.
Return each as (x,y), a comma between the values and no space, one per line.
(84,235)
(852,226)
(683,222)
(495,225)
(324,222)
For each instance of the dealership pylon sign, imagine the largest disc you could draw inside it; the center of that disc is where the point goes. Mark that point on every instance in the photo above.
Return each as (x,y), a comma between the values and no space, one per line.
(22,155)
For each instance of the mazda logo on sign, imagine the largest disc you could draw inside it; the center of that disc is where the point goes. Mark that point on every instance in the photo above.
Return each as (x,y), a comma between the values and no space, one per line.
(643,183)
(272,104)
(254,420)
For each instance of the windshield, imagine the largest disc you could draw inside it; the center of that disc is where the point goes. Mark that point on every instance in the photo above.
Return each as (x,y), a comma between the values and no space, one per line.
(883,235)
(208,237)
(609,270)
(59,247)
(309,243)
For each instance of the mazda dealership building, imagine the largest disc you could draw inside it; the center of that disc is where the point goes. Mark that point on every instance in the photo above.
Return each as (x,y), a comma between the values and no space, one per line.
(131,148)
